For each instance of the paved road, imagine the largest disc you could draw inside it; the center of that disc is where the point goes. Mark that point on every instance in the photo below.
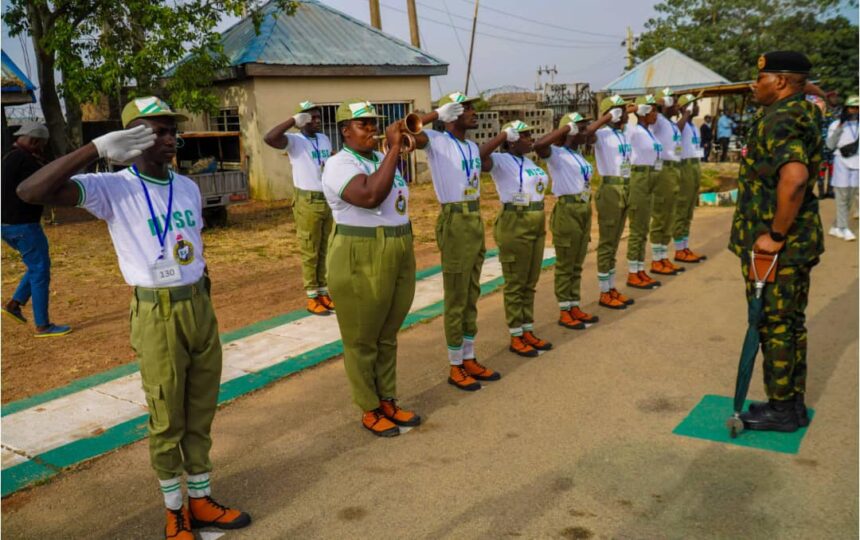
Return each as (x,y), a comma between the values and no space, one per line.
(574,444)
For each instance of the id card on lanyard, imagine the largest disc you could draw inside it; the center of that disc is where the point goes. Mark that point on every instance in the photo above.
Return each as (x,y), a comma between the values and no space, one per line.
(586,170)
(316,153)
(676,137)
(520,198)
(470,192)
(658,164)
(622,148)
(164,271)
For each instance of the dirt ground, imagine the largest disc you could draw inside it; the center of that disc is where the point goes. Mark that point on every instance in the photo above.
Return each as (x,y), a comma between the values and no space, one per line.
(254,264)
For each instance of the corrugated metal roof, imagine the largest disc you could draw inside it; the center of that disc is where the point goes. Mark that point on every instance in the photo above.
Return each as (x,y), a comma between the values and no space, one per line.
(667,68)
(318,35)
(13,79)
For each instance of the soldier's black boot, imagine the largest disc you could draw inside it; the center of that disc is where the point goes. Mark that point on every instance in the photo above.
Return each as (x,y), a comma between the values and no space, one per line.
(772,416)
(799,409)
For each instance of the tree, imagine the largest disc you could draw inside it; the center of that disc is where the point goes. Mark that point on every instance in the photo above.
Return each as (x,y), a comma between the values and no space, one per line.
(102,47)
(729,35)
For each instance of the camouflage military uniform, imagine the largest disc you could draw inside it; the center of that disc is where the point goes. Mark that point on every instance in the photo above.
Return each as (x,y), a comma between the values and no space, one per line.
(785,131)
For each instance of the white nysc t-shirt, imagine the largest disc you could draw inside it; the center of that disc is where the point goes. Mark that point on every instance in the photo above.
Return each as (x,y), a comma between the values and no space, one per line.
(119,199)
(343,167)
(308,156)
(691,142)
(646,150)
(612,152)
(571,172)
(669,136)
(518,179)
(455,167)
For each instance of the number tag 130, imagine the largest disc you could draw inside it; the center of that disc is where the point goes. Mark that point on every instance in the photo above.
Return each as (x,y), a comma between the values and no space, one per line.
(165,272)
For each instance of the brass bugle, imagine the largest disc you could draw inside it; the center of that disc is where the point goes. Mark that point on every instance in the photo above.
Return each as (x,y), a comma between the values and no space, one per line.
(408,143)
(413,123)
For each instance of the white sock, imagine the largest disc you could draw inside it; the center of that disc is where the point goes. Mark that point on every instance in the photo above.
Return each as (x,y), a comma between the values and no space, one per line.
(312,293)
(574,304)
(528,327)
(612,279)
(632,266)
(603,281)
(564,306)
(655,252)
(455,355)
(679,245)
(686,242)
(172,492)
(468,347)
(515,332)
(323,291)
(198,485)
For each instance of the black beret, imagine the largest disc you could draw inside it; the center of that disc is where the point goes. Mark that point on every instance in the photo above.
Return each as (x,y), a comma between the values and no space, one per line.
(784,62)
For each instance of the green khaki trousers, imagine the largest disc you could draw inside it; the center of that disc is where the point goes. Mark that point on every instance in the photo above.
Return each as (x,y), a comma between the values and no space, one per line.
(570,223)
(313,227)
(460,237)
(520,235)
(663,203)
(688,191)
(611,202)
(643,182)
(175,337)
(372,281)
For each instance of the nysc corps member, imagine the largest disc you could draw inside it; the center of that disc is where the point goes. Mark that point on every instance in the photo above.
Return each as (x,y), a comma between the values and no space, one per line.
(371,263)
(570,220)
(520,229)
(308,151)
(455,167)
(155,221)
(690,179)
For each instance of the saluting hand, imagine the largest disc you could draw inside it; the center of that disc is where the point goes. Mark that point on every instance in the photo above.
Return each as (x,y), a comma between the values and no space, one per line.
(301,119)
(125,145)
(449,111)
(615,115)
(512,135)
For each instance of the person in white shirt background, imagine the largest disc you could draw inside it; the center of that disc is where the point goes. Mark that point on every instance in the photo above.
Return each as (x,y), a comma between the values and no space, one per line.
(842,138)
(308,151)
(690,179)
(519,230)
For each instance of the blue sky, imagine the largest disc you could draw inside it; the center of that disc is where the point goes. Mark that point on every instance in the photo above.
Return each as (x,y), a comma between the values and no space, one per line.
(582,38)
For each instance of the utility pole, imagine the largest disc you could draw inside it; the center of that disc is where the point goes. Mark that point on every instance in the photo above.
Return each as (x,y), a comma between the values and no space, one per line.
(629,43)
(413,24)
(471,47)
(375,17)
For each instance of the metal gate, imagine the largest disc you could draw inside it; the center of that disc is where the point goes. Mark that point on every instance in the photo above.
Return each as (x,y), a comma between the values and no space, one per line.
(392,112)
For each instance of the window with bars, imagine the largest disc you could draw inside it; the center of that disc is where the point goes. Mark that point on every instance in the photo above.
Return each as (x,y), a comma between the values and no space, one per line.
(392,113)
(225,120)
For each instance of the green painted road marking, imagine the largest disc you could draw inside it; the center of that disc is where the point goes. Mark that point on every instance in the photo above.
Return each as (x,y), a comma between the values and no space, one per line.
(46,465)
(707,421)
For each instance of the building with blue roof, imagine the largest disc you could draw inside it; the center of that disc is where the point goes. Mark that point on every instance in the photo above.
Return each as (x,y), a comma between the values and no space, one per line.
(318,54)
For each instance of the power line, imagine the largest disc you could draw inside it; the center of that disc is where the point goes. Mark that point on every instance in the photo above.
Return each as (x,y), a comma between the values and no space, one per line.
(517,41)
(509,29)
(424,41)
(544,23)
(456,35)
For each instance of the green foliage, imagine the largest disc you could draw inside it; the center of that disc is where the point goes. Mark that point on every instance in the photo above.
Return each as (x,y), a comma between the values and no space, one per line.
(101,47)
(729,35)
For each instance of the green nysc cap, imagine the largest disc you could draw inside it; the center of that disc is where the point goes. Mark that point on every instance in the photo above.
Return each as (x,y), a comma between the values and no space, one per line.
(306,106)
(853,101)
(355,110)
(456,97)
(686,99)
(148,107)
(573,117)
(612,102)
(647,99)
(518,125)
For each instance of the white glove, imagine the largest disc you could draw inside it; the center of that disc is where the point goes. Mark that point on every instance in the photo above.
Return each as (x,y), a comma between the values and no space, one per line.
(668,101)
(643,110)
(513,135)
(574,129)
(616,114)
(301,119)
(450,111)
(125,145)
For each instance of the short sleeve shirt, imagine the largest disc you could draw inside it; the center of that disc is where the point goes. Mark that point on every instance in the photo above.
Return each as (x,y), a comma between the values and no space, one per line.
(786,131)
(118,198)
(513,174)
(308,156)
(611,150)
(455,167)
(646,150)
(571,172)
(691,142)
(669,136)
(340,169)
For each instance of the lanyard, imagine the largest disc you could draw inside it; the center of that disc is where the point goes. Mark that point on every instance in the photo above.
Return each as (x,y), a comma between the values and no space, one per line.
(676,133)
(363,159)
(853,132)
(467,161)
(695,134)
(162,238)
(316,146)
(657,146)
(584,166)
(522,160)
(623,140)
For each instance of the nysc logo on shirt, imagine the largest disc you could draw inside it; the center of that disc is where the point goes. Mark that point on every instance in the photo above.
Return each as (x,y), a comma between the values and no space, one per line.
(320,155)
(180,220)
(475,163)
(183,251)
(537,171)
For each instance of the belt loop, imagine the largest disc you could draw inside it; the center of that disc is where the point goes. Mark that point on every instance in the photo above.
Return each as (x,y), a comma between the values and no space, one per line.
(162,298)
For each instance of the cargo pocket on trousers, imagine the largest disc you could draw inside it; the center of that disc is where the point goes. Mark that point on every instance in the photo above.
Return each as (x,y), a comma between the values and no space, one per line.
(305,241)
(508,262)
(156,404)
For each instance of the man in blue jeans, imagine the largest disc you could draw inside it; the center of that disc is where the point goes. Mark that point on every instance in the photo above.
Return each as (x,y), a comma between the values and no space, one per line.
(22,230)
